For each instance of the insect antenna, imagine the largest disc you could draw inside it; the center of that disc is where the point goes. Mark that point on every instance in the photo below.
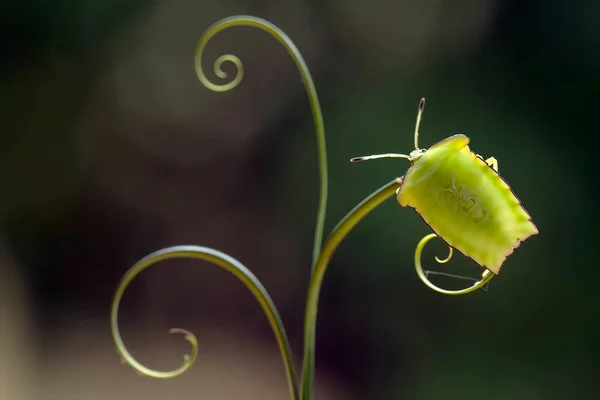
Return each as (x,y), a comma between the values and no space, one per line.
(419,116)
(395,155)
(388,155)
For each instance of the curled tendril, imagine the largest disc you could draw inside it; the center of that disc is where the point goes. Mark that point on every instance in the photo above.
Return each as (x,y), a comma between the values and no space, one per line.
(224,261)
(487,275)
(311,91)
(445,260)
(218,71)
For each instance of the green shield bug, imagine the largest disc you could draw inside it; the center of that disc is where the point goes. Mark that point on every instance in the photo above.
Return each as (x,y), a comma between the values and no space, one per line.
(463,199)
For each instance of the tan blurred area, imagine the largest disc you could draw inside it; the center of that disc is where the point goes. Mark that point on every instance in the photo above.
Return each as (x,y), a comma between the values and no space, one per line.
(80,361)
(82,364)
(17,339)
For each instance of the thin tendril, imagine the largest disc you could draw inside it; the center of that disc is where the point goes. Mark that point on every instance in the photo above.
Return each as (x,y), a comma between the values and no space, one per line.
(445,260)
(487,276)
(311,91)
(226,262)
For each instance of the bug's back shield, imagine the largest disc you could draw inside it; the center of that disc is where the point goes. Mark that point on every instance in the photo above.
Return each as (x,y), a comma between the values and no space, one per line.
(466,203)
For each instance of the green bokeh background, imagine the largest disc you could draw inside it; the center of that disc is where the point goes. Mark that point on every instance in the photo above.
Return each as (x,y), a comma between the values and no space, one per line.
(78,208)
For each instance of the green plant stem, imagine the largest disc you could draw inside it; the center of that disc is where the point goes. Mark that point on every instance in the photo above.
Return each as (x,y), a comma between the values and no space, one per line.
(335,238)
(313,99)
(226,262)
(320,258)
(311,91)
(321,254)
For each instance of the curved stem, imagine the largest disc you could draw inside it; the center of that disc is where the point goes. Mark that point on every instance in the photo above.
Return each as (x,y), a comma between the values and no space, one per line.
(245,20)
(335,238)
(224,261)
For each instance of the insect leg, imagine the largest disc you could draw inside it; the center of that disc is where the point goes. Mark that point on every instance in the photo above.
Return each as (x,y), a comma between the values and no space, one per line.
(492,162)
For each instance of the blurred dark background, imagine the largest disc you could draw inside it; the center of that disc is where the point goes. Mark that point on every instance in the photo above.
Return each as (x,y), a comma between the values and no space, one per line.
(111,148)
